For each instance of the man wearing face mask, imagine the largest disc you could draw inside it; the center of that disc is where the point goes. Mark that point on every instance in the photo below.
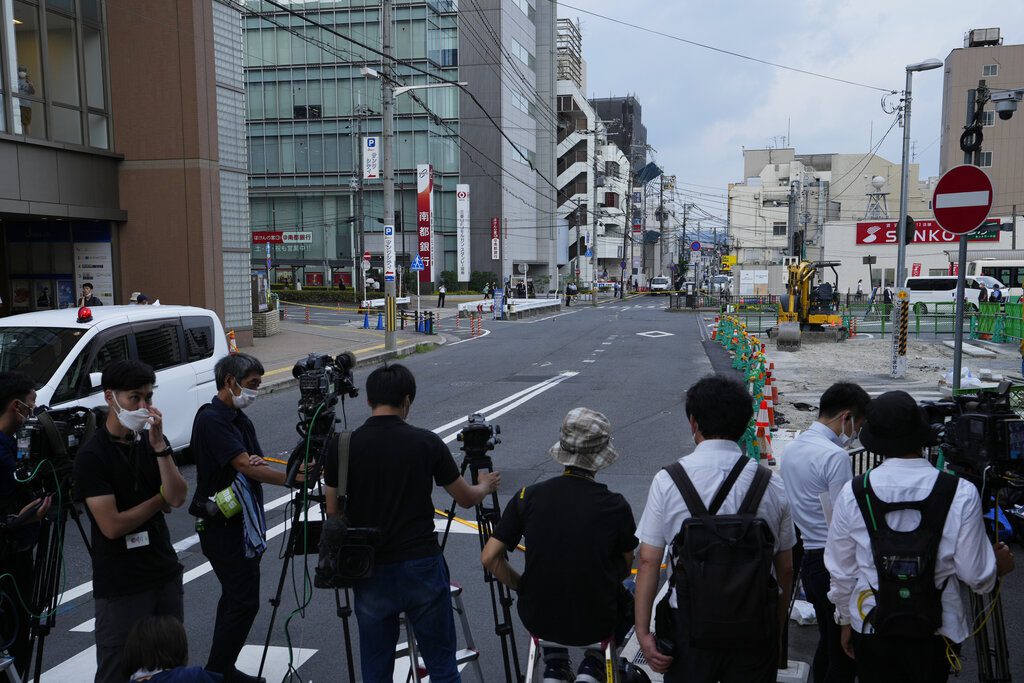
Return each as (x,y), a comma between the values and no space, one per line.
(228,502)
(128,480)
(815,468)
(19,512)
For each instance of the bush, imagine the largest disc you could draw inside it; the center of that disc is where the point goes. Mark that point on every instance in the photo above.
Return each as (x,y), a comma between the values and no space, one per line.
(480,278)
(313,295)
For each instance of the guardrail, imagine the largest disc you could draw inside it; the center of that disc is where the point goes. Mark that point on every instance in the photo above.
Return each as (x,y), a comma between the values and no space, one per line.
(379,303)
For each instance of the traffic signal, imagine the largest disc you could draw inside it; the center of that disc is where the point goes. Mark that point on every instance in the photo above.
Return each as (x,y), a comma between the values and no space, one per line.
(908,230)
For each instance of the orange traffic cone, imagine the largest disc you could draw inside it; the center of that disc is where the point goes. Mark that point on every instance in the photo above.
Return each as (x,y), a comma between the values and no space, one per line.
(762,416)
(765,446)
(775,390)
(232,345)
(771,409)
(714,329)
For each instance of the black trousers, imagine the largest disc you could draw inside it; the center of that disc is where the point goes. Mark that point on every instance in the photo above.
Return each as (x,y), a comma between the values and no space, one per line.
(18,564)
(900,660)
(440,300)
(693,665)
(831,665)
(239,602)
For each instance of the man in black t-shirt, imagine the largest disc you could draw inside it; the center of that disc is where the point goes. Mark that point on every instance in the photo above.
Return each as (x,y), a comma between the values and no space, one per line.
(393,468)
(128,480)
(579,548)
(229,459)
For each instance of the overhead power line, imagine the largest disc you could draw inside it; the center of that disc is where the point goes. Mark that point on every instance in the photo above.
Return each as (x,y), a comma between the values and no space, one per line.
(731,53)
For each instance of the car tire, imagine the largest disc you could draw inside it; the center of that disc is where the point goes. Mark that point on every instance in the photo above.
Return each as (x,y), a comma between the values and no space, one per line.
(920,308)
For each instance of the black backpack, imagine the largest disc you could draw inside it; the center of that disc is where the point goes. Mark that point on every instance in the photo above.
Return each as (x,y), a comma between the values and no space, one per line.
(908,604)
(722,567)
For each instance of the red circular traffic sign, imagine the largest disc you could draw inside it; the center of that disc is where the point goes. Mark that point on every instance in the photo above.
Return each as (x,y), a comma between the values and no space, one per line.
(366,256)
(962,199)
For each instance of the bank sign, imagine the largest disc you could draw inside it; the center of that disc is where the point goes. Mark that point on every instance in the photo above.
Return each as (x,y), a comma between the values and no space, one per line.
(925,232)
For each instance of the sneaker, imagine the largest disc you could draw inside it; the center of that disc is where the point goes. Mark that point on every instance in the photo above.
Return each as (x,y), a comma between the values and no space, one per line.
(558,671)
(591,669)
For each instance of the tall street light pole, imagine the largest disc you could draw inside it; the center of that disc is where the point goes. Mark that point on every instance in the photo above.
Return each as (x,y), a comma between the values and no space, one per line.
(901,253)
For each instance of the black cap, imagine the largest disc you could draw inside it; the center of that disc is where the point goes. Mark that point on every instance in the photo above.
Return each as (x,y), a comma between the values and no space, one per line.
(141,297)
(896,425)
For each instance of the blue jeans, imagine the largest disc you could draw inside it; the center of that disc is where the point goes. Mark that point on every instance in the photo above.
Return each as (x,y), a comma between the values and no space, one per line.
(420,590)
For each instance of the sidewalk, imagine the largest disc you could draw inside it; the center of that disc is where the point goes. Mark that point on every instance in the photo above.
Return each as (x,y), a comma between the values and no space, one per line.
(297,340)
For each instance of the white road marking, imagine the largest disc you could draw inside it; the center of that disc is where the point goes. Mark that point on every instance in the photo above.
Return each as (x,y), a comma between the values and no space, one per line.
(482,334)
(606,343)
(590,361)
(507,399)
(655,334)
(598,351)
(550,317)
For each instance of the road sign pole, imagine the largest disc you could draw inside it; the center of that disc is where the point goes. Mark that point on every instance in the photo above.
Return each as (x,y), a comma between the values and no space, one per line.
(958,339)
(387,139)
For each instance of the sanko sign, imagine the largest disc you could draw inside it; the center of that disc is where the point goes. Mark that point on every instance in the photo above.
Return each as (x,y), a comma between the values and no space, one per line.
(925,232)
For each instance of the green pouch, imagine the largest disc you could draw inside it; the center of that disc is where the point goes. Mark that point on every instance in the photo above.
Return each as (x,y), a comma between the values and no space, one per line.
(227,502)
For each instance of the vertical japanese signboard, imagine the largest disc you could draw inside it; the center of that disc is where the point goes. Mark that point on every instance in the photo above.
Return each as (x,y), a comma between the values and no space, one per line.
(425,218)
(495,239)
(462,232)
(371,158)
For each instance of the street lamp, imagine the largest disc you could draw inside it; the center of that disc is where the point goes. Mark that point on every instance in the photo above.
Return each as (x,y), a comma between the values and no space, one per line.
(898,369)
(388,94)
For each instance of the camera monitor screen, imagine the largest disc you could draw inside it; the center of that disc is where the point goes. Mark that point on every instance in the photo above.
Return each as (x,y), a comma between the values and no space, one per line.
(1015,440)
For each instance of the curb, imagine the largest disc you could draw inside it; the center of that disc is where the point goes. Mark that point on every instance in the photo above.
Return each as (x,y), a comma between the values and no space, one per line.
(361,361)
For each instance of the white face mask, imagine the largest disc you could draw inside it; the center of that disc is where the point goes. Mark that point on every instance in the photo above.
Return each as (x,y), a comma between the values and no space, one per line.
(846,439)
(132,420)
(244,398)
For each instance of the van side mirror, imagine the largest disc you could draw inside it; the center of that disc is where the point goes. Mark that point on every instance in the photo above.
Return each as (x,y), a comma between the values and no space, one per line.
(95,380)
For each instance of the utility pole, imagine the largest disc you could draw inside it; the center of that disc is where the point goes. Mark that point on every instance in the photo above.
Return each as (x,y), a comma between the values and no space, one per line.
(685,246)
(661,219)
(625,230)
(388,170)
(1013,219)
(791,219)
(359,222)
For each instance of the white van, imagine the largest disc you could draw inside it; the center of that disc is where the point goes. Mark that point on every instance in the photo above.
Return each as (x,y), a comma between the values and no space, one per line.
(660,285)
(181,343)
(932,289)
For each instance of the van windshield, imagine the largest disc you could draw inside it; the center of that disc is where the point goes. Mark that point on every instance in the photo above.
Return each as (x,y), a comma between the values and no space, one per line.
(36,351)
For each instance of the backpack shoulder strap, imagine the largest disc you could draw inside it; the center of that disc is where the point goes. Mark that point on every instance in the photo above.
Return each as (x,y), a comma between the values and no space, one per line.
(727,485)
(344,444)
(690,496)
(756,491)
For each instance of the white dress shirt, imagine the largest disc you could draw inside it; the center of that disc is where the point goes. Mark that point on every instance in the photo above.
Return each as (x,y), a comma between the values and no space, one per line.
(707,467)
(964,553)
(814,463)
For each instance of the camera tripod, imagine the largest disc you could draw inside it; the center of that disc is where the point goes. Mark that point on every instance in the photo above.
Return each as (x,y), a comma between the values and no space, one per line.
(304,539)
(488,514)
(47,575)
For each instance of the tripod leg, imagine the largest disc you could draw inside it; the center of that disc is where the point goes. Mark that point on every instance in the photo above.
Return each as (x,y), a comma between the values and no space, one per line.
(450,514)
(345,611)
(276,600)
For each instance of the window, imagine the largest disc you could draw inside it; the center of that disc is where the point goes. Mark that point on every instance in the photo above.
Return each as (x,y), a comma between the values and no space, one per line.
(199,343)
(779,229)
(159,346)
(611,169)
(611,200)
(522,53)
(990,70)
(988,118)
(986,159)
(75,383)
(113,350)
(938,271)
(520,102)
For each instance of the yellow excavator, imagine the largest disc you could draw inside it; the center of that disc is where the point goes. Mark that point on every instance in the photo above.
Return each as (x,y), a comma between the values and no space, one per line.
(810,307)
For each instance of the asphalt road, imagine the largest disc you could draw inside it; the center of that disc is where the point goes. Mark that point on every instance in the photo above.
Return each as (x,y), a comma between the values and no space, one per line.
(524,376)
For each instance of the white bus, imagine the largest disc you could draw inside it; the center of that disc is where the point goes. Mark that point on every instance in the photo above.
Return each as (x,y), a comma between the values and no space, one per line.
(1008,271)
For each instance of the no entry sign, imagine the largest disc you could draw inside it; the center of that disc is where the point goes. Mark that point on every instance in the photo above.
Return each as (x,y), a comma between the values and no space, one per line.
(962,199)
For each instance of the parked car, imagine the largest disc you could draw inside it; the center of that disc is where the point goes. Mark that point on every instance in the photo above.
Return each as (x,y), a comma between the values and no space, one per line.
(660,285)
(66,357)
(928,290)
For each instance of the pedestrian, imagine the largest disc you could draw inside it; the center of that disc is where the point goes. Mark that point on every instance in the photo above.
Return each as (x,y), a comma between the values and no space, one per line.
(87,298)
(393,467)
(982,293)
(575,527)
(441,291)
(487,291)
(718,410)
(126,476)
(615,288)
(996,296)
(157,652)
(815,468)
(17,402)
(905,625)
(230,466)
(860,290)
(887,296)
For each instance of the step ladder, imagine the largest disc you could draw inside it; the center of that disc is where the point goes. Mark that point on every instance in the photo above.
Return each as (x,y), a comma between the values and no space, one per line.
(7,665)
(469,655)
(607,646)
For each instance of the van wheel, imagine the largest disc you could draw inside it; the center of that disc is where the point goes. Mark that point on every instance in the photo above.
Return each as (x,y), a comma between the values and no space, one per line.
(972,308)
(920,309)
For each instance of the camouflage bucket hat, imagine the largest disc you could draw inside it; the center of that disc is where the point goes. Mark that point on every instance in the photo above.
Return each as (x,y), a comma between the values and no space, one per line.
(585,441)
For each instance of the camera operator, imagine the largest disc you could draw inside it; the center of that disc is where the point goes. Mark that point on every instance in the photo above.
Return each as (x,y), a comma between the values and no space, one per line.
(927,526)
(392,469)
(229,464)
(128,480)
(17,401)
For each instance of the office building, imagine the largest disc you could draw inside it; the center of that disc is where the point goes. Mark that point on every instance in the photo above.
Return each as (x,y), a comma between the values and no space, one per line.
(115,119)
(624,117)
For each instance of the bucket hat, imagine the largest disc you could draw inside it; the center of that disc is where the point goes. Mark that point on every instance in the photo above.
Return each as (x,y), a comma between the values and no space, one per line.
(585,441)
(895,425)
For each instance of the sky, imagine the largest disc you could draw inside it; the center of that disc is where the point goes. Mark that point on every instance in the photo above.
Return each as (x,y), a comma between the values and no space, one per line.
(701,107)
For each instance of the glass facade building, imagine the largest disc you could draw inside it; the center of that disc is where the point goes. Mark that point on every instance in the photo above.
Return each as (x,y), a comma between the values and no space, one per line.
(308,108)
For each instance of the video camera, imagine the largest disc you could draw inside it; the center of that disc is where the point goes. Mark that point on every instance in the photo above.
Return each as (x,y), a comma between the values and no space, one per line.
(346,554)
(53,437)
(478,436)
(322,380)
(981,436)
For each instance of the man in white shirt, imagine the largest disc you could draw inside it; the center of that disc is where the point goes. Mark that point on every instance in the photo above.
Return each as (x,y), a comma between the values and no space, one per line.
(815,468)
(902,495)
(718,409)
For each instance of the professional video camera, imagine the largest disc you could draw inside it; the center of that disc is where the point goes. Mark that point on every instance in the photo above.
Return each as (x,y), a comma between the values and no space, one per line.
(52,437)
(346,554)
(981,436)
(478,436)
(322,381)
